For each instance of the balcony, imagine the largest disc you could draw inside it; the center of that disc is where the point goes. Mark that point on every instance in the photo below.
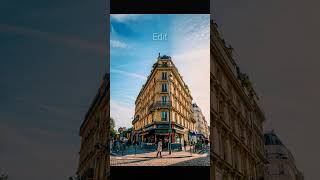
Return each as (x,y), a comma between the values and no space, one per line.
(193,120)
(135,119)
(159,105)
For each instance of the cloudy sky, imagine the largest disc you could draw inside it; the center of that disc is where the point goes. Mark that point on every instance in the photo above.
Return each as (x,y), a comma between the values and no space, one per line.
(133,52)
(277,44)
(53,57)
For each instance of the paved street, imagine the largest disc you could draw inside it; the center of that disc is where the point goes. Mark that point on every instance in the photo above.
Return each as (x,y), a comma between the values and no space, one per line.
(182,158)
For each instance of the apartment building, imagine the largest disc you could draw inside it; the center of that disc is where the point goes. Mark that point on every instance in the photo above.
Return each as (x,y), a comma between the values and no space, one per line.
(163,107)
(236,117)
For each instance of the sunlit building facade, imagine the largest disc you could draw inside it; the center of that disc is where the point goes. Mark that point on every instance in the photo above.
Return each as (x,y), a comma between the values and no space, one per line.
(236,118)
(201,125)
(93,156)
(163,98)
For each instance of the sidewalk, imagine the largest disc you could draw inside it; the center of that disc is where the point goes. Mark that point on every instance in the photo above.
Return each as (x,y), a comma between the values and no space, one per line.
(182,158)
(165,154)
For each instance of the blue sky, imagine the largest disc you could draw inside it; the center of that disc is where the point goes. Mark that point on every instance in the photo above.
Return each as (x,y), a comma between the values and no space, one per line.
(133,52)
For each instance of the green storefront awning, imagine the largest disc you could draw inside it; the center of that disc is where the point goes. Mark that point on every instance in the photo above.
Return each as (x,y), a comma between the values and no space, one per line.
(160,131)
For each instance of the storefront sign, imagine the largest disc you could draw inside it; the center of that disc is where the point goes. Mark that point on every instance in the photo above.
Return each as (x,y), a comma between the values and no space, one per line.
(161,131)
(163,126)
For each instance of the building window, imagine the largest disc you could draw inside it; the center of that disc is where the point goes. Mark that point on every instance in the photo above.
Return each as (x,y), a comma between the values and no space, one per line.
(281,169)
(164,116)
(164,99)
(175,117)
(164,75)
(164,88)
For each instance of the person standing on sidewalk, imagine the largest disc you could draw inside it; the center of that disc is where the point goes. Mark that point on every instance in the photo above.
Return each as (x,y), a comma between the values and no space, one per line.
(159,149)
(185,145)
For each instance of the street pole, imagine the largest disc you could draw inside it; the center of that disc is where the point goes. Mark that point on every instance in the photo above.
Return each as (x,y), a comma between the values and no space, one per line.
(190,149)
(169,115)
(135,149)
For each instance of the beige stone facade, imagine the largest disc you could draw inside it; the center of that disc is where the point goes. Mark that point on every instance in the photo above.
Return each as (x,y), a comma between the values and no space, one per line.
(201,125)
(164,96)
(93,156)
(237,146)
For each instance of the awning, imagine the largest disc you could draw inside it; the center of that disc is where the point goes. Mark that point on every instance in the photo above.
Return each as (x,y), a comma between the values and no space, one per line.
(179,131)
(157,131)
(163,134)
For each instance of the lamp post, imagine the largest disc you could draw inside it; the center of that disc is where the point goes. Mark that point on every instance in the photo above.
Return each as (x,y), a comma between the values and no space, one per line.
(170,129)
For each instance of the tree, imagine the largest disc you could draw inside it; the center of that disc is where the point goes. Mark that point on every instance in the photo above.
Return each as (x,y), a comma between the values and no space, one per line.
(112,126)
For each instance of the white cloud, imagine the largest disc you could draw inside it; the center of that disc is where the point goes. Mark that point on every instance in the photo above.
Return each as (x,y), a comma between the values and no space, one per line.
(125,17)
(195,30)
(134,75)
(118,44)
(192,57)
(122,113)
(194,66)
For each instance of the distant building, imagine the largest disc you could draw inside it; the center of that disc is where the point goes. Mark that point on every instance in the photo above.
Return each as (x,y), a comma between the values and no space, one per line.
(281,164)
(128,134)
(209,132)
(236,117)
(94,131)
(201,126)
(164,97)
(121,129)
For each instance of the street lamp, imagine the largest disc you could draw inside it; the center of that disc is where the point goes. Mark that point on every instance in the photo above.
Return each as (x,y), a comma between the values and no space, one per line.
(170,129)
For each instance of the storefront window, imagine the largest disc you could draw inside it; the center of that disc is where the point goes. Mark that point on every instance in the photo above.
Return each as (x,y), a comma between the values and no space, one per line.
(178,138)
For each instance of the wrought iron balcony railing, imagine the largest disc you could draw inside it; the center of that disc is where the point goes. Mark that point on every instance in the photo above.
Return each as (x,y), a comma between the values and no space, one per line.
(160,104)
(135,119)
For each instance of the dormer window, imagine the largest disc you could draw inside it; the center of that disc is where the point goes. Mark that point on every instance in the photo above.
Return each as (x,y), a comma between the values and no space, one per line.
(164,64)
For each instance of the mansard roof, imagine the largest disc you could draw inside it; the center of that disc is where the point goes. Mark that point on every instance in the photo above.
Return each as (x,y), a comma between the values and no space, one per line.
(271,138)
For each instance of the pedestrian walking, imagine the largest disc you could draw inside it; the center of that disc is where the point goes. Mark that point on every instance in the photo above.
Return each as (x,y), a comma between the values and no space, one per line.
(185,145)
(159,149)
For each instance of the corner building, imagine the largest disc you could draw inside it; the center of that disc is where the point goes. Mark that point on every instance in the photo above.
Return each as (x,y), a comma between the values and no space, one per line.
(94,131)
(236,118)
(163,98)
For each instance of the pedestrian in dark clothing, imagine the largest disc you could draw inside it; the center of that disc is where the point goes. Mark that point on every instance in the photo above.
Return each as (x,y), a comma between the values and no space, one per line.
(206,142)
(185,145)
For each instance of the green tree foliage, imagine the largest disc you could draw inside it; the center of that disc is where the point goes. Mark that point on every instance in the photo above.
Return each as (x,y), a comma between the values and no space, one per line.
(112,126)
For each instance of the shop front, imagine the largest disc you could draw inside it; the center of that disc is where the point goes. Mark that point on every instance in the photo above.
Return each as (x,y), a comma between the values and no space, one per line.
(154,132)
